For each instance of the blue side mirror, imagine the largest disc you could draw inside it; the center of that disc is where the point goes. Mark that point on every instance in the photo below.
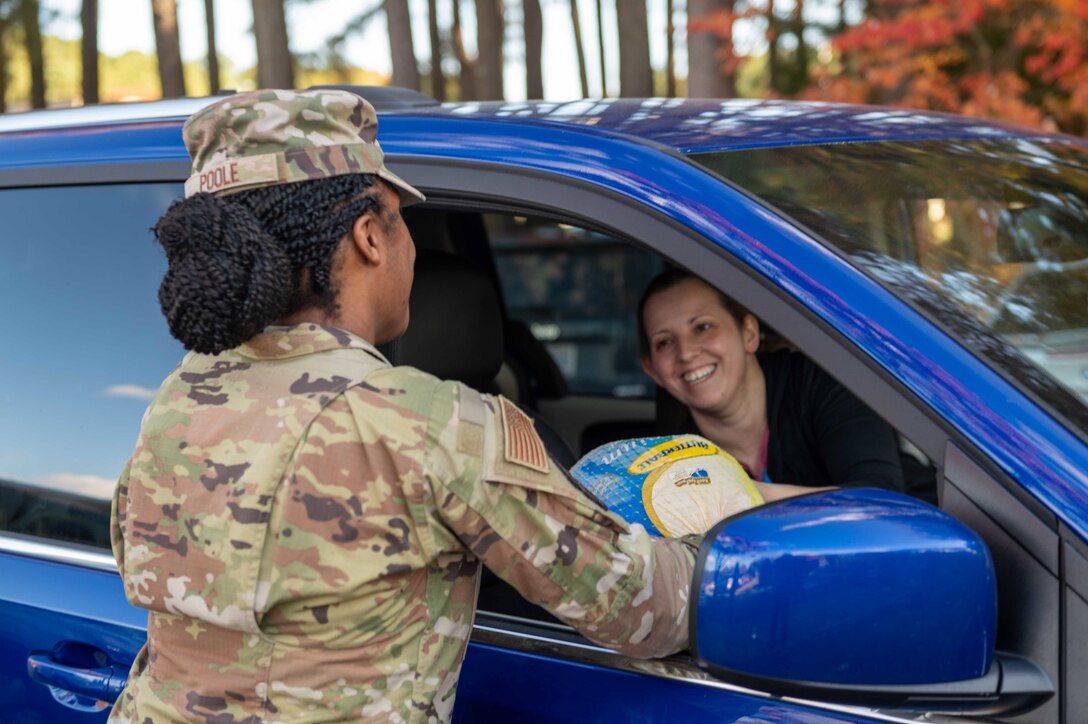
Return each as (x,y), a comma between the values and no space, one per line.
(861,596)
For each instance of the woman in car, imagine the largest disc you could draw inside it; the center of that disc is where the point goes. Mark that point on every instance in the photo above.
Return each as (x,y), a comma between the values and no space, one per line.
(777,413)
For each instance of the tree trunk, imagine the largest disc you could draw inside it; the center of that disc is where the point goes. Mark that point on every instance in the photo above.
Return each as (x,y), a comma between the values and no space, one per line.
(403,52)
(213,49)
(534,48)
(438,79)
(772,48)
(30,19)
(636,76)
(489,43)
(670,51)
(801,59)
(579,46)
(710,51)
(600,48)
(88,48)
(168,47)
(4,72)
(467,78)
(274,67)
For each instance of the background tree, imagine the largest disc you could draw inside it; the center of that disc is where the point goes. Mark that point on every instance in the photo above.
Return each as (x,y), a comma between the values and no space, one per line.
(711,62)
(213,50)
(467,77)
(533,24)
(7,32)
(579,46)
(399,22)
(636,76)
(30,19)
(773,34)
(490,32)
(275,68)
(600,48)
(1019,60)
(438,78)
(670,50)
(164,15)
(88,16)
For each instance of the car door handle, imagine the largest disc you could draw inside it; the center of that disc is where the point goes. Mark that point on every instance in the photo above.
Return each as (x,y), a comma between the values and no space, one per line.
(78,669)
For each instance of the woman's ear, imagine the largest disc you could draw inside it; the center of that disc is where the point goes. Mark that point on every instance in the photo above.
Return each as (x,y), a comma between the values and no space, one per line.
(750,333)
(365,233)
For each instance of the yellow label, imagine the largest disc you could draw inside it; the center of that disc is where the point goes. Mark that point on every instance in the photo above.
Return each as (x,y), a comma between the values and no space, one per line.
(678,448)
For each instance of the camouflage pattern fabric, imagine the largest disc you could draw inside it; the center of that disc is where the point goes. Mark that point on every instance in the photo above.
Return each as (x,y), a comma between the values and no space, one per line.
(305,524)
(270,137)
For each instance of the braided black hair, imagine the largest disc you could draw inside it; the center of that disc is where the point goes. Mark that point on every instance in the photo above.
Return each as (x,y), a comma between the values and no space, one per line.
(236,263)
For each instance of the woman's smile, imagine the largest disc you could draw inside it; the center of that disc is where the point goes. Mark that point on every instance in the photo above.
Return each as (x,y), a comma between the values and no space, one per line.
(699,374)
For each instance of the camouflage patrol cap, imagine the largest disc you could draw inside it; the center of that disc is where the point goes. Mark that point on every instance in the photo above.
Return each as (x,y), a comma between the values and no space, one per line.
(270,137)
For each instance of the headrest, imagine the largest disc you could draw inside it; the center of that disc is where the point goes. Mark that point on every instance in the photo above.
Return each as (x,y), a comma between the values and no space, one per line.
(455,325)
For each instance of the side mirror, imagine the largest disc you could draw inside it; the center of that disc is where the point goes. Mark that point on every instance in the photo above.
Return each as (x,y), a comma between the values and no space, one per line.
(857,596)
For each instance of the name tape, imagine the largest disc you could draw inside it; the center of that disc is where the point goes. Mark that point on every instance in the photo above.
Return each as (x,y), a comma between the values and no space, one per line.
(245,171)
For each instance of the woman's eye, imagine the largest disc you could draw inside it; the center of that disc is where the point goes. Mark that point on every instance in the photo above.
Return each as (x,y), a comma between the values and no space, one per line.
(702,326)
(661,344)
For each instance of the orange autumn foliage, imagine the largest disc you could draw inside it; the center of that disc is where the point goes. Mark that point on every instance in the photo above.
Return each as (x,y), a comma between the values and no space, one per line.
(1019,60)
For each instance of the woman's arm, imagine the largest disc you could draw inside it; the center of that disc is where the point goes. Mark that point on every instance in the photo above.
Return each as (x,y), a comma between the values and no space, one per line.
(772,492)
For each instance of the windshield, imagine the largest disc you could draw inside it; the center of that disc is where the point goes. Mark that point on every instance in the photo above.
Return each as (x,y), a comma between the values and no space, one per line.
(988,237)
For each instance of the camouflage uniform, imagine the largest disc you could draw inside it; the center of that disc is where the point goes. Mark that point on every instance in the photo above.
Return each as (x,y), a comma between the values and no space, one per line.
(305,524)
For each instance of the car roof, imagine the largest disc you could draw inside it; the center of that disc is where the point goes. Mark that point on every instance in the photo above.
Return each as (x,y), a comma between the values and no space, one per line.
(683,124)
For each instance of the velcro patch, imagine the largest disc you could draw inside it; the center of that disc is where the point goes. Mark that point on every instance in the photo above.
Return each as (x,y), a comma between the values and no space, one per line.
(523,446)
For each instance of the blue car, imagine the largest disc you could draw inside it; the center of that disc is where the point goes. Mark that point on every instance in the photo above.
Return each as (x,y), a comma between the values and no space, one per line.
(936,266)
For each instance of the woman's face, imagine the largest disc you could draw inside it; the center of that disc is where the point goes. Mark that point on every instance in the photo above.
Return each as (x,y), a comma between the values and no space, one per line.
(698,352)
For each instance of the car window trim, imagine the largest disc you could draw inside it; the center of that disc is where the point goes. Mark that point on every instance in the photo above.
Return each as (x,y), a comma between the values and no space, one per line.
(49,549)
(535,637)
(102,173)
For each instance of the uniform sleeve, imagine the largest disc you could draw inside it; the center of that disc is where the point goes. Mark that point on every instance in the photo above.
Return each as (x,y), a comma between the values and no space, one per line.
(859,448)
(118,515)
(499,494)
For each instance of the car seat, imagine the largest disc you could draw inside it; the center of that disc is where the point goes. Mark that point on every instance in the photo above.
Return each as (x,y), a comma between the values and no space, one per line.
(455,332)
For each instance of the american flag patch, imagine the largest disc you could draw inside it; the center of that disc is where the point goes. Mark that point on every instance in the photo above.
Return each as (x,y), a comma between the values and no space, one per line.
(523,445)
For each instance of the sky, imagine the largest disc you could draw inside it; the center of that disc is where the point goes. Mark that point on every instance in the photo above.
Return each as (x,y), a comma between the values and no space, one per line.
(125,25)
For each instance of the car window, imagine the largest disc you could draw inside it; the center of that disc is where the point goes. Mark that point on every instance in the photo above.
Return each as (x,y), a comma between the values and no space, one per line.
(85,348)
(577,290)
(990,237)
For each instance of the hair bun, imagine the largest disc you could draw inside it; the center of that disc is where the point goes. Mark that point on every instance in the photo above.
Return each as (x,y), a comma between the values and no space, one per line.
(226,278)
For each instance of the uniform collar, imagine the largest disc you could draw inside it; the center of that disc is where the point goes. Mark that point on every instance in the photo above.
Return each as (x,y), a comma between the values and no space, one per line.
(285,342)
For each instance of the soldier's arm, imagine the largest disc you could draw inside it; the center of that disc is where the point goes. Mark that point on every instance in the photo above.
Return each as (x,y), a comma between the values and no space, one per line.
(498,493)
(118,516)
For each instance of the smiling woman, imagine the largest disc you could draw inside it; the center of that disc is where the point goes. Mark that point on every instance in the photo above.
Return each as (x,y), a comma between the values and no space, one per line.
(782,417)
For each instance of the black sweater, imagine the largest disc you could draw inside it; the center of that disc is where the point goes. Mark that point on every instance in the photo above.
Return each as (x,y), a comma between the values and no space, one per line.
(821,434)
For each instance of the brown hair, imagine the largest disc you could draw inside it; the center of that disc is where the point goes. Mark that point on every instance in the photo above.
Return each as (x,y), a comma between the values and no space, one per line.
(669,279)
